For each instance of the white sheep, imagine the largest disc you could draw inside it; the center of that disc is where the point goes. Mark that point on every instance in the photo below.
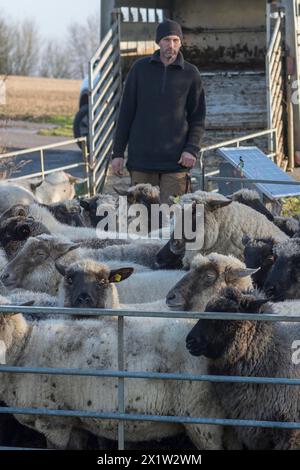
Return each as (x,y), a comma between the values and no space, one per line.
(86,285)
(150,345)
(225,224)
(55,187)
(11,194)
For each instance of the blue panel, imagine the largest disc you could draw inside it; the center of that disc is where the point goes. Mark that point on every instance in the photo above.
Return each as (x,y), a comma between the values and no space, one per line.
(254,164)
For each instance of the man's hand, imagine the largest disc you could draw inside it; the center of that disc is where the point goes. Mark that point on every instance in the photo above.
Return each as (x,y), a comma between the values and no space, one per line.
(187,160)
(117,166)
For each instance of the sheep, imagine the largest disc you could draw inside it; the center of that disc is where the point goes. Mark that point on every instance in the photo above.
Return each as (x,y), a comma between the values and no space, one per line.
(258,253)
(16,230)
(55,187)
(150,345)
(251,198)
(283,279)
(33,267)
(222,229)
(11,194)
(141,252)
(144,194)
(208,274)
(288,225)
(42,214)
(251,348)
(85,284)
(67,212)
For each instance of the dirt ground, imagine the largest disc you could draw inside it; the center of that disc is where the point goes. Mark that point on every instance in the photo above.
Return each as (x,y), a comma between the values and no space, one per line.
(38,98)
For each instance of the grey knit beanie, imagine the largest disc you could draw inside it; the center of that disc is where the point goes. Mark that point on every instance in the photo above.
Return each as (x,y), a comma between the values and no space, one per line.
(168,28)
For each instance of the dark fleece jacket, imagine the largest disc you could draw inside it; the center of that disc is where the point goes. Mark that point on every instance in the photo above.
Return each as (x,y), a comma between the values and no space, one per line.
(161,115)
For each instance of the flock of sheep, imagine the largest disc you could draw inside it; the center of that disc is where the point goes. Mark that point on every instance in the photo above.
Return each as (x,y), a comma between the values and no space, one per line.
(249,261)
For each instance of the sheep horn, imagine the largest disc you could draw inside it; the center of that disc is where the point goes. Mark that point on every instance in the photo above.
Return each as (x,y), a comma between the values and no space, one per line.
(232,274)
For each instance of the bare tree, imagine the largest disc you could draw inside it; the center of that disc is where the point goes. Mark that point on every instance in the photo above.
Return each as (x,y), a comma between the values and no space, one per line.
(54,61)
(6,45)
(25,54)
(83,40)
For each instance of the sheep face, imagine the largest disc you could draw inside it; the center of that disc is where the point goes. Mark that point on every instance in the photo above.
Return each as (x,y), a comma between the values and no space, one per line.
(88,284)
(142,193)
(91,207)
(38,252)
(17,210)
(216,338)
(16,230)
(68,212)
(283,281)
(259,253)
(166,259)
(56,187)
(207,276)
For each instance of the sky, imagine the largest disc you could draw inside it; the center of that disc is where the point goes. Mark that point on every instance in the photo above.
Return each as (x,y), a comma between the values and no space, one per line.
(52,16)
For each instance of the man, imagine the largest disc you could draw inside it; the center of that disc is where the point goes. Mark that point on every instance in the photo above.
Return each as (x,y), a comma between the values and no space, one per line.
(161,117)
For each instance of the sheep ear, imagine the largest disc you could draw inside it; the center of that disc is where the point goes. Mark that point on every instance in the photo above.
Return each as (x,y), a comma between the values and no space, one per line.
(216,204)
(60,268)
(85,204)
(252,306)
(245,240)
(73,179)
(234,274)
(121,192)
(34,186)
(64,248)
(118,275)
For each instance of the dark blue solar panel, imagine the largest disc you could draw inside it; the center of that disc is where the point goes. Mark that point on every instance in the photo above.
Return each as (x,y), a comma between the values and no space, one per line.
(254,164)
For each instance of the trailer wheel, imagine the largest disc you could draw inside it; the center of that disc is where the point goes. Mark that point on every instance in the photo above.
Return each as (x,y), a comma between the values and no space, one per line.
(81,123)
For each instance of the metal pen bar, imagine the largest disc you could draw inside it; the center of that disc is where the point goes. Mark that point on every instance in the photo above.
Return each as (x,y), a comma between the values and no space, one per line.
(121,375)
(151,418)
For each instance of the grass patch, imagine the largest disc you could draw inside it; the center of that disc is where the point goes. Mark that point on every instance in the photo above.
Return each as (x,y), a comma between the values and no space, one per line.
(291,206)
(64,126)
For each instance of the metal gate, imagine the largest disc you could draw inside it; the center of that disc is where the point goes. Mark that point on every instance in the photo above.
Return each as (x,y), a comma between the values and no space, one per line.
(104,97)
(276,89)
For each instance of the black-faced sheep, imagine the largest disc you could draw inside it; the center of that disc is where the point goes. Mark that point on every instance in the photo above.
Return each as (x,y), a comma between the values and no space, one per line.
(251,348)
(258,253)
(283,281)
(16,230)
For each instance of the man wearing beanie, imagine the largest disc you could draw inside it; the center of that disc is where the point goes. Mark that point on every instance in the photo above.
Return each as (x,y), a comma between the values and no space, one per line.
(161,117)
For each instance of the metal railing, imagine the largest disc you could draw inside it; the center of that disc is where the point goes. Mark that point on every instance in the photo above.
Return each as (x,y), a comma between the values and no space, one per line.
(276,94)
(104,96)
(42,149)
(120,374)
(203,176)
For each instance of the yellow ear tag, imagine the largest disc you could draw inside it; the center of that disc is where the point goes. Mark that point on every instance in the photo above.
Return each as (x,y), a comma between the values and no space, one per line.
(117,278)
(176,199)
